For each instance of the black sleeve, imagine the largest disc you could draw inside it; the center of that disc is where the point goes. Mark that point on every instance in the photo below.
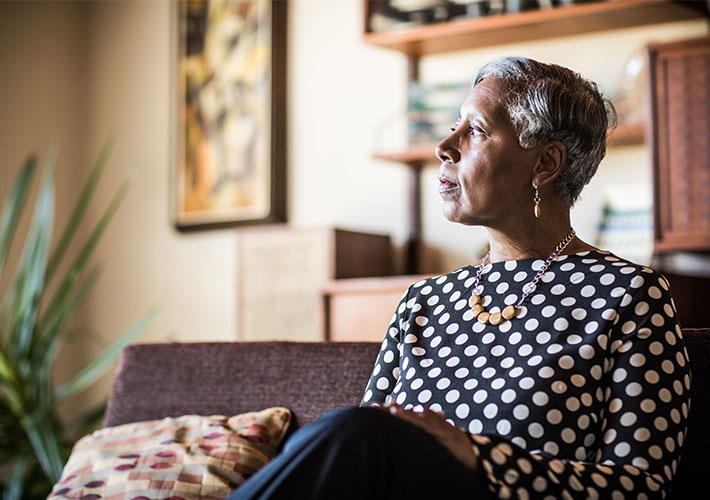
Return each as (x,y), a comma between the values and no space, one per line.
(386,369)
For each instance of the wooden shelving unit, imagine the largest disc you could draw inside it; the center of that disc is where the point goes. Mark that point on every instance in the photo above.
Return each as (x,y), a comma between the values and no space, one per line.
(500,29)
(472,33)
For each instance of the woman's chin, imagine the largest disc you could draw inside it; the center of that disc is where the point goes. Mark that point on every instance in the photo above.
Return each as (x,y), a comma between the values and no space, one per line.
(458,217)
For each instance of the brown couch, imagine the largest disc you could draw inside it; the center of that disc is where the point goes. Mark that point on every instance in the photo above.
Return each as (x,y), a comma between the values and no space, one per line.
(159,380)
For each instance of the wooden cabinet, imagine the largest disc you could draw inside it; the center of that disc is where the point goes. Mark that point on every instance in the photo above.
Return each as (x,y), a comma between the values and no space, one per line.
(680,115)
(471,33)
(282,270)
(361,309)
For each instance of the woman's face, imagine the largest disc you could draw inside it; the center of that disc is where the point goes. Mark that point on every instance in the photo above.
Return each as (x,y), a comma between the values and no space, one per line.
(485,176)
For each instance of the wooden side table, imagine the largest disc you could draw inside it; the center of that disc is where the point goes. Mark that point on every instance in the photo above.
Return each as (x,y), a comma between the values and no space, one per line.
(361,308)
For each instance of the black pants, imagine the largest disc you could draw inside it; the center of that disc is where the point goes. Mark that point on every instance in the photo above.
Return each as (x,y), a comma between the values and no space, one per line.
(363,453)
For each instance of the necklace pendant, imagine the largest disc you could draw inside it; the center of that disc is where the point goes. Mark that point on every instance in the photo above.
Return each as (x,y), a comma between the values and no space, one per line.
(496,318)
(475,299)
(509,312)
(477,309)
(483,317)
(475,302)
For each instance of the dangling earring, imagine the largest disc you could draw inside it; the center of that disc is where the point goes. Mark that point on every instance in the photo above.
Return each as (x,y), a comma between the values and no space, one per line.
(537,203)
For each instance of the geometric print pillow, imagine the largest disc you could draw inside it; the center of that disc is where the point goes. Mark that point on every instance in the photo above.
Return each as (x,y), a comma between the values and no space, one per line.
(180,458)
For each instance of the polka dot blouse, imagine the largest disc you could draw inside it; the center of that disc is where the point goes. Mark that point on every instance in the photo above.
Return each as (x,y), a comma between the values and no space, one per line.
(584,394)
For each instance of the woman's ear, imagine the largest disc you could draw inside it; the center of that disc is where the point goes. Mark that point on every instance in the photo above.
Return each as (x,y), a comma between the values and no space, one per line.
(553,157)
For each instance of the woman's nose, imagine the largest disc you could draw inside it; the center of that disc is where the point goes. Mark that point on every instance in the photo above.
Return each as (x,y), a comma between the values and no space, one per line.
(446,150)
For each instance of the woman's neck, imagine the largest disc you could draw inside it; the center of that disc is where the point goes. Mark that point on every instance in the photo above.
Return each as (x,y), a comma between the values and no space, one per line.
(534,240)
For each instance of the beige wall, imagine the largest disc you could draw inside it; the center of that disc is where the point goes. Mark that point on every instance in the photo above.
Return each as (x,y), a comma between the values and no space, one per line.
(41,80)
(76,72)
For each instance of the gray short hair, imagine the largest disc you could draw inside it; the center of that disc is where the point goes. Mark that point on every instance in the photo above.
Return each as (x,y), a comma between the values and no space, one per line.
(548,102)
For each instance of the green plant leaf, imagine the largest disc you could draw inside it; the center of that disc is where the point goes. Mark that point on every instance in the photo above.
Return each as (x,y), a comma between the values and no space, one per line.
(80,208)
(13,207)
(34,441)
(49,328)
(10,386)
(101,363)
(30,277)
(62,294)
(7,372)
(52,336)
(13,486)
(45,445)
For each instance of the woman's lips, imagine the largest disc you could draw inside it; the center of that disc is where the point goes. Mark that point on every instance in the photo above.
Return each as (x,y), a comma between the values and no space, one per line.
(446,186)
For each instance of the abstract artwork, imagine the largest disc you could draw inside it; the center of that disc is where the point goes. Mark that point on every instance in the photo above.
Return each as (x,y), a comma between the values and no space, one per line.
(229,79)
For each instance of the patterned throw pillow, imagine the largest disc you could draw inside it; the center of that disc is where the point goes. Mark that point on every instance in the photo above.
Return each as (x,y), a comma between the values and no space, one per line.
(179,458)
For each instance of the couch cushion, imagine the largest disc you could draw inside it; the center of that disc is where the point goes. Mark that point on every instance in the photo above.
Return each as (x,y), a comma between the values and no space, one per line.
(170,379)
(187,457)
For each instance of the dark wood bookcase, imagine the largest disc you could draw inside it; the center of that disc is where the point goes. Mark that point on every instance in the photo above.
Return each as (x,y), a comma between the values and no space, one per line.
(680,144)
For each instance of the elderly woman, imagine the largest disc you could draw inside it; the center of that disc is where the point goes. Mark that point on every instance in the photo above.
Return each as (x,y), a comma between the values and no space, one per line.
(552,369)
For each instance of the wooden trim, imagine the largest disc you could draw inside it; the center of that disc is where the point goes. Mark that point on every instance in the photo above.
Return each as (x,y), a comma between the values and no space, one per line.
(653,139)
(682,241)
(411,156)
(534,25)
(369,285)
(631,134)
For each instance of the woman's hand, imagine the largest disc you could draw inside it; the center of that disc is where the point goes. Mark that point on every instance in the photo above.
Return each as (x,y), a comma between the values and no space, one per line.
(454,439)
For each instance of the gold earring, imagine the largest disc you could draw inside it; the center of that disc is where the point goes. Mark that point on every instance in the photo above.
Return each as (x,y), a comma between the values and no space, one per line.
(537,203)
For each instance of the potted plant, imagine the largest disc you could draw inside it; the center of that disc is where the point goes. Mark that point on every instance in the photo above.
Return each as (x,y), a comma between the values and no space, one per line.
(35,307)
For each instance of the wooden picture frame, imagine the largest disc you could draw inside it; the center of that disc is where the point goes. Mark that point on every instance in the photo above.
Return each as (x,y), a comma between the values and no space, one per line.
(228,113)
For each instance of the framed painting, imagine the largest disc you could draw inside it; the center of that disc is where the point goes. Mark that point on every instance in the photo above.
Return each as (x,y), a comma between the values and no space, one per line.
(229,118)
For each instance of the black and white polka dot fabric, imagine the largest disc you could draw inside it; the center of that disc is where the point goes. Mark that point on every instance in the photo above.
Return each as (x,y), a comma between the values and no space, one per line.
(585,394)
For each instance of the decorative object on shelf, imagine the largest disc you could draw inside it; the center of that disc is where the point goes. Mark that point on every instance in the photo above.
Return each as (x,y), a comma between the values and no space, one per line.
(228,166)
(573,2)
(630,96)
(36,308)
(399,14)
(626,225)
(386,15)
(515,6)
(433,110)
(473,8)
(423,11)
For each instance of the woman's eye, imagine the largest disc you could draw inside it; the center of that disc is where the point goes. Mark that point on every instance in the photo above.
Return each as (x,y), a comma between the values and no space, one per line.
(477,131)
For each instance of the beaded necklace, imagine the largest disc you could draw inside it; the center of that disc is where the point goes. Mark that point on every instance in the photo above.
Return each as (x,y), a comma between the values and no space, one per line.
(476,301)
